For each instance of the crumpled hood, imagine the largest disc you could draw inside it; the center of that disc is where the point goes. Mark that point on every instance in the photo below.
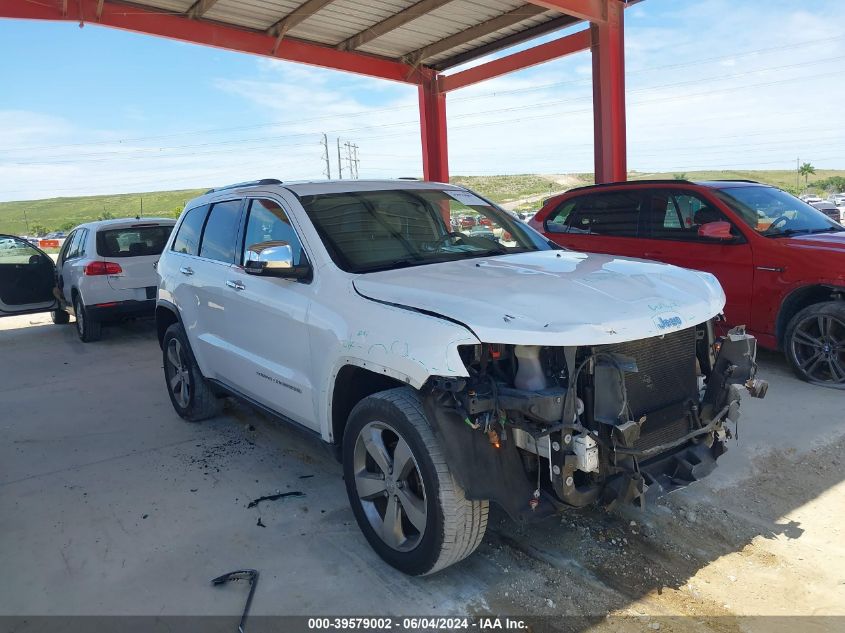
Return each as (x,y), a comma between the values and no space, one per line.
(553,297)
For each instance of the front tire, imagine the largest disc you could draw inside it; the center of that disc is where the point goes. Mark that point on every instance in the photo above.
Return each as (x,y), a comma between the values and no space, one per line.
(88,328)
(404,497)
(190,393)
(815,343)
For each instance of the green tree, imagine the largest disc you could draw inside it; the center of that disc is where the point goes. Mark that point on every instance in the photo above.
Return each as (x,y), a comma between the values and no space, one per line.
(834,183)
(67,226)
(805,170)
(38,229)
(105,215)
(681,176)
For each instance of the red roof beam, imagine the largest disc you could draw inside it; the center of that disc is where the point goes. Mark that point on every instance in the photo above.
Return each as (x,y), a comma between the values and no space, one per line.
(179,27)
(590,10)
(574,43)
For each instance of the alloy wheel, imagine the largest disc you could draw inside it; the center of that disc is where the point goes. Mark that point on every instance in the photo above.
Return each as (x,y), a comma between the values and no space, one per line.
(179,379)
(389,486)
(818,346)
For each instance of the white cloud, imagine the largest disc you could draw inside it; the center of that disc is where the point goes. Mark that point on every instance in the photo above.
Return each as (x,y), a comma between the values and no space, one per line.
(699,96)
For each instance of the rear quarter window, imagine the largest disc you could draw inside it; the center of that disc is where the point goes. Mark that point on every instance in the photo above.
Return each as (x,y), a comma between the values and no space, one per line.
(132,241)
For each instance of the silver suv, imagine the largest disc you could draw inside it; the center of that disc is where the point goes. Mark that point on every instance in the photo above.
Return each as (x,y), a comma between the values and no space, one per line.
(104,271)
(448,367)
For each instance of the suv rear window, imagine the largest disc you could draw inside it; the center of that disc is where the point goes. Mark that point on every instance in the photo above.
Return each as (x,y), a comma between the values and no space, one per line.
(133,241)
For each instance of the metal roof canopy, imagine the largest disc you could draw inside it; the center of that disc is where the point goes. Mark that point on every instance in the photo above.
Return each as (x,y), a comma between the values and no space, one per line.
(410,41)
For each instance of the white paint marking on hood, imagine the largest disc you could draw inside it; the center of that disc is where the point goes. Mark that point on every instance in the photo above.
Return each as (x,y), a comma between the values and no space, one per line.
(554,298)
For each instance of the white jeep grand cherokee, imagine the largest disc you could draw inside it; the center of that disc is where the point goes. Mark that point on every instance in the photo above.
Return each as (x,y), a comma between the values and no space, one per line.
(448,369)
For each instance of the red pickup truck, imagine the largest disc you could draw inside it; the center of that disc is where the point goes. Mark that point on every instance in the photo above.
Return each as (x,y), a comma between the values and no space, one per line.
(780,261)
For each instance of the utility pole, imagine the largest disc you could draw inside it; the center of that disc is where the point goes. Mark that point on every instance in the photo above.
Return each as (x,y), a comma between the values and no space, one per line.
(355,158)
(325,144)
(339,162)
(348,147)
(352,159)
(798,174)
(26,221)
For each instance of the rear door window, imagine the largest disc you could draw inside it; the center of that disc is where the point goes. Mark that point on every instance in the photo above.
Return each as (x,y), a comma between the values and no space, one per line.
(557,220)
(220,234)
(65,251)
(614,214)
(76,246)
(132,241)
(188,238)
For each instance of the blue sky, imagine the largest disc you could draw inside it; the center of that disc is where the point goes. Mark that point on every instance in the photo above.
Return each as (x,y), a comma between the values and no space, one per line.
(710,85)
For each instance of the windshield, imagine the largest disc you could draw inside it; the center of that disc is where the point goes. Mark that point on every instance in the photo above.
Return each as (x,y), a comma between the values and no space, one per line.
(366,231)
(773,212)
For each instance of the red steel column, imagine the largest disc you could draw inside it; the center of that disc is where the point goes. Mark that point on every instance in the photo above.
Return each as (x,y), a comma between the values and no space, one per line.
(433,128)
(608,49)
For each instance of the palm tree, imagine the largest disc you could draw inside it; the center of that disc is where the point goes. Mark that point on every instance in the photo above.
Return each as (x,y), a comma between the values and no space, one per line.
(805,170)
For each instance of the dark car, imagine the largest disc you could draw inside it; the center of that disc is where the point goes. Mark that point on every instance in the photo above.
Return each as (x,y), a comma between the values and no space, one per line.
(828,208)
(780,261)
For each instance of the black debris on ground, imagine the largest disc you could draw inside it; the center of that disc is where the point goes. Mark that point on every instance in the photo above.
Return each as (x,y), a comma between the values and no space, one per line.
(276,497)
(260,523)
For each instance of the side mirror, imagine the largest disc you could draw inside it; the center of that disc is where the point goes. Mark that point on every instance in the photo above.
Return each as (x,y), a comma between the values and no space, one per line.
(720,231)
(273,259)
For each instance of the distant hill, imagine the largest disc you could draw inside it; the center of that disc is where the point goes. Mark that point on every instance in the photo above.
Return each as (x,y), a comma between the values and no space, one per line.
(523,191)
(57,213)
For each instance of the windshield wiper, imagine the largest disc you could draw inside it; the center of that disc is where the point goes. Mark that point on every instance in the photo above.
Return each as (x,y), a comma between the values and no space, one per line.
(829,229)
(786,233)
(791,232)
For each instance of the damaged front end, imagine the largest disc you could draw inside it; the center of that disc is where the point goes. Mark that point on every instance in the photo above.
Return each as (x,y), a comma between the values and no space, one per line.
(537,428)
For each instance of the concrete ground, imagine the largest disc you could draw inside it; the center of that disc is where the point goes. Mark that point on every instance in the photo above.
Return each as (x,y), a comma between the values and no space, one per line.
(111,504)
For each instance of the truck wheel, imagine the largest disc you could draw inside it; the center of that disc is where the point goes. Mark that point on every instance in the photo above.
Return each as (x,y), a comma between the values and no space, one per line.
(409,507)
(59,317)
(815,343)
(89,329)
(189,391)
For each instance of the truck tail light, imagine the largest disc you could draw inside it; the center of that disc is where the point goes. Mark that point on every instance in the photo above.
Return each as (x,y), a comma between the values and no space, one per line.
(103,268)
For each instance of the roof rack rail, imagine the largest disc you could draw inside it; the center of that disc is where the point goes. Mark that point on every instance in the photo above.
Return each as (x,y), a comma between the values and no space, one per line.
(655,181)
(249,183)
(756,182)
(407,178)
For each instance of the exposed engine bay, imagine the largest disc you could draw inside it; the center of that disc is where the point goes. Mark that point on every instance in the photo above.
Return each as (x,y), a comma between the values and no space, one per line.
(538,428)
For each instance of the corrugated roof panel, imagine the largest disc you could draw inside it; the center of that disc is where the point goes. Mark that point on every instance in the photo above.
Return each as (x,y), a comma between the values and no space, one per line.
(177,6)
(453,18)
(497,35)
(252,14)
(344,18)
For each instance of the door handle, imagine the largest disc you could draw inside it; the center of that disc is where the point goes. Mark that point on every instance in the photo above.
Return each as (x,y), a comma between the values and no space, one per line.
(186,270)
(237,284)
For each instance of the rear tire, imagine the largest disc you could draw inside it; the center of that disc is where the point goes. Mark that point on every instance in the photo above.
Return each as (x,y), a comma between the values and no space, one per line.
(398,481)
(190,393)
(815,343)
(88,328)
(59,317)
